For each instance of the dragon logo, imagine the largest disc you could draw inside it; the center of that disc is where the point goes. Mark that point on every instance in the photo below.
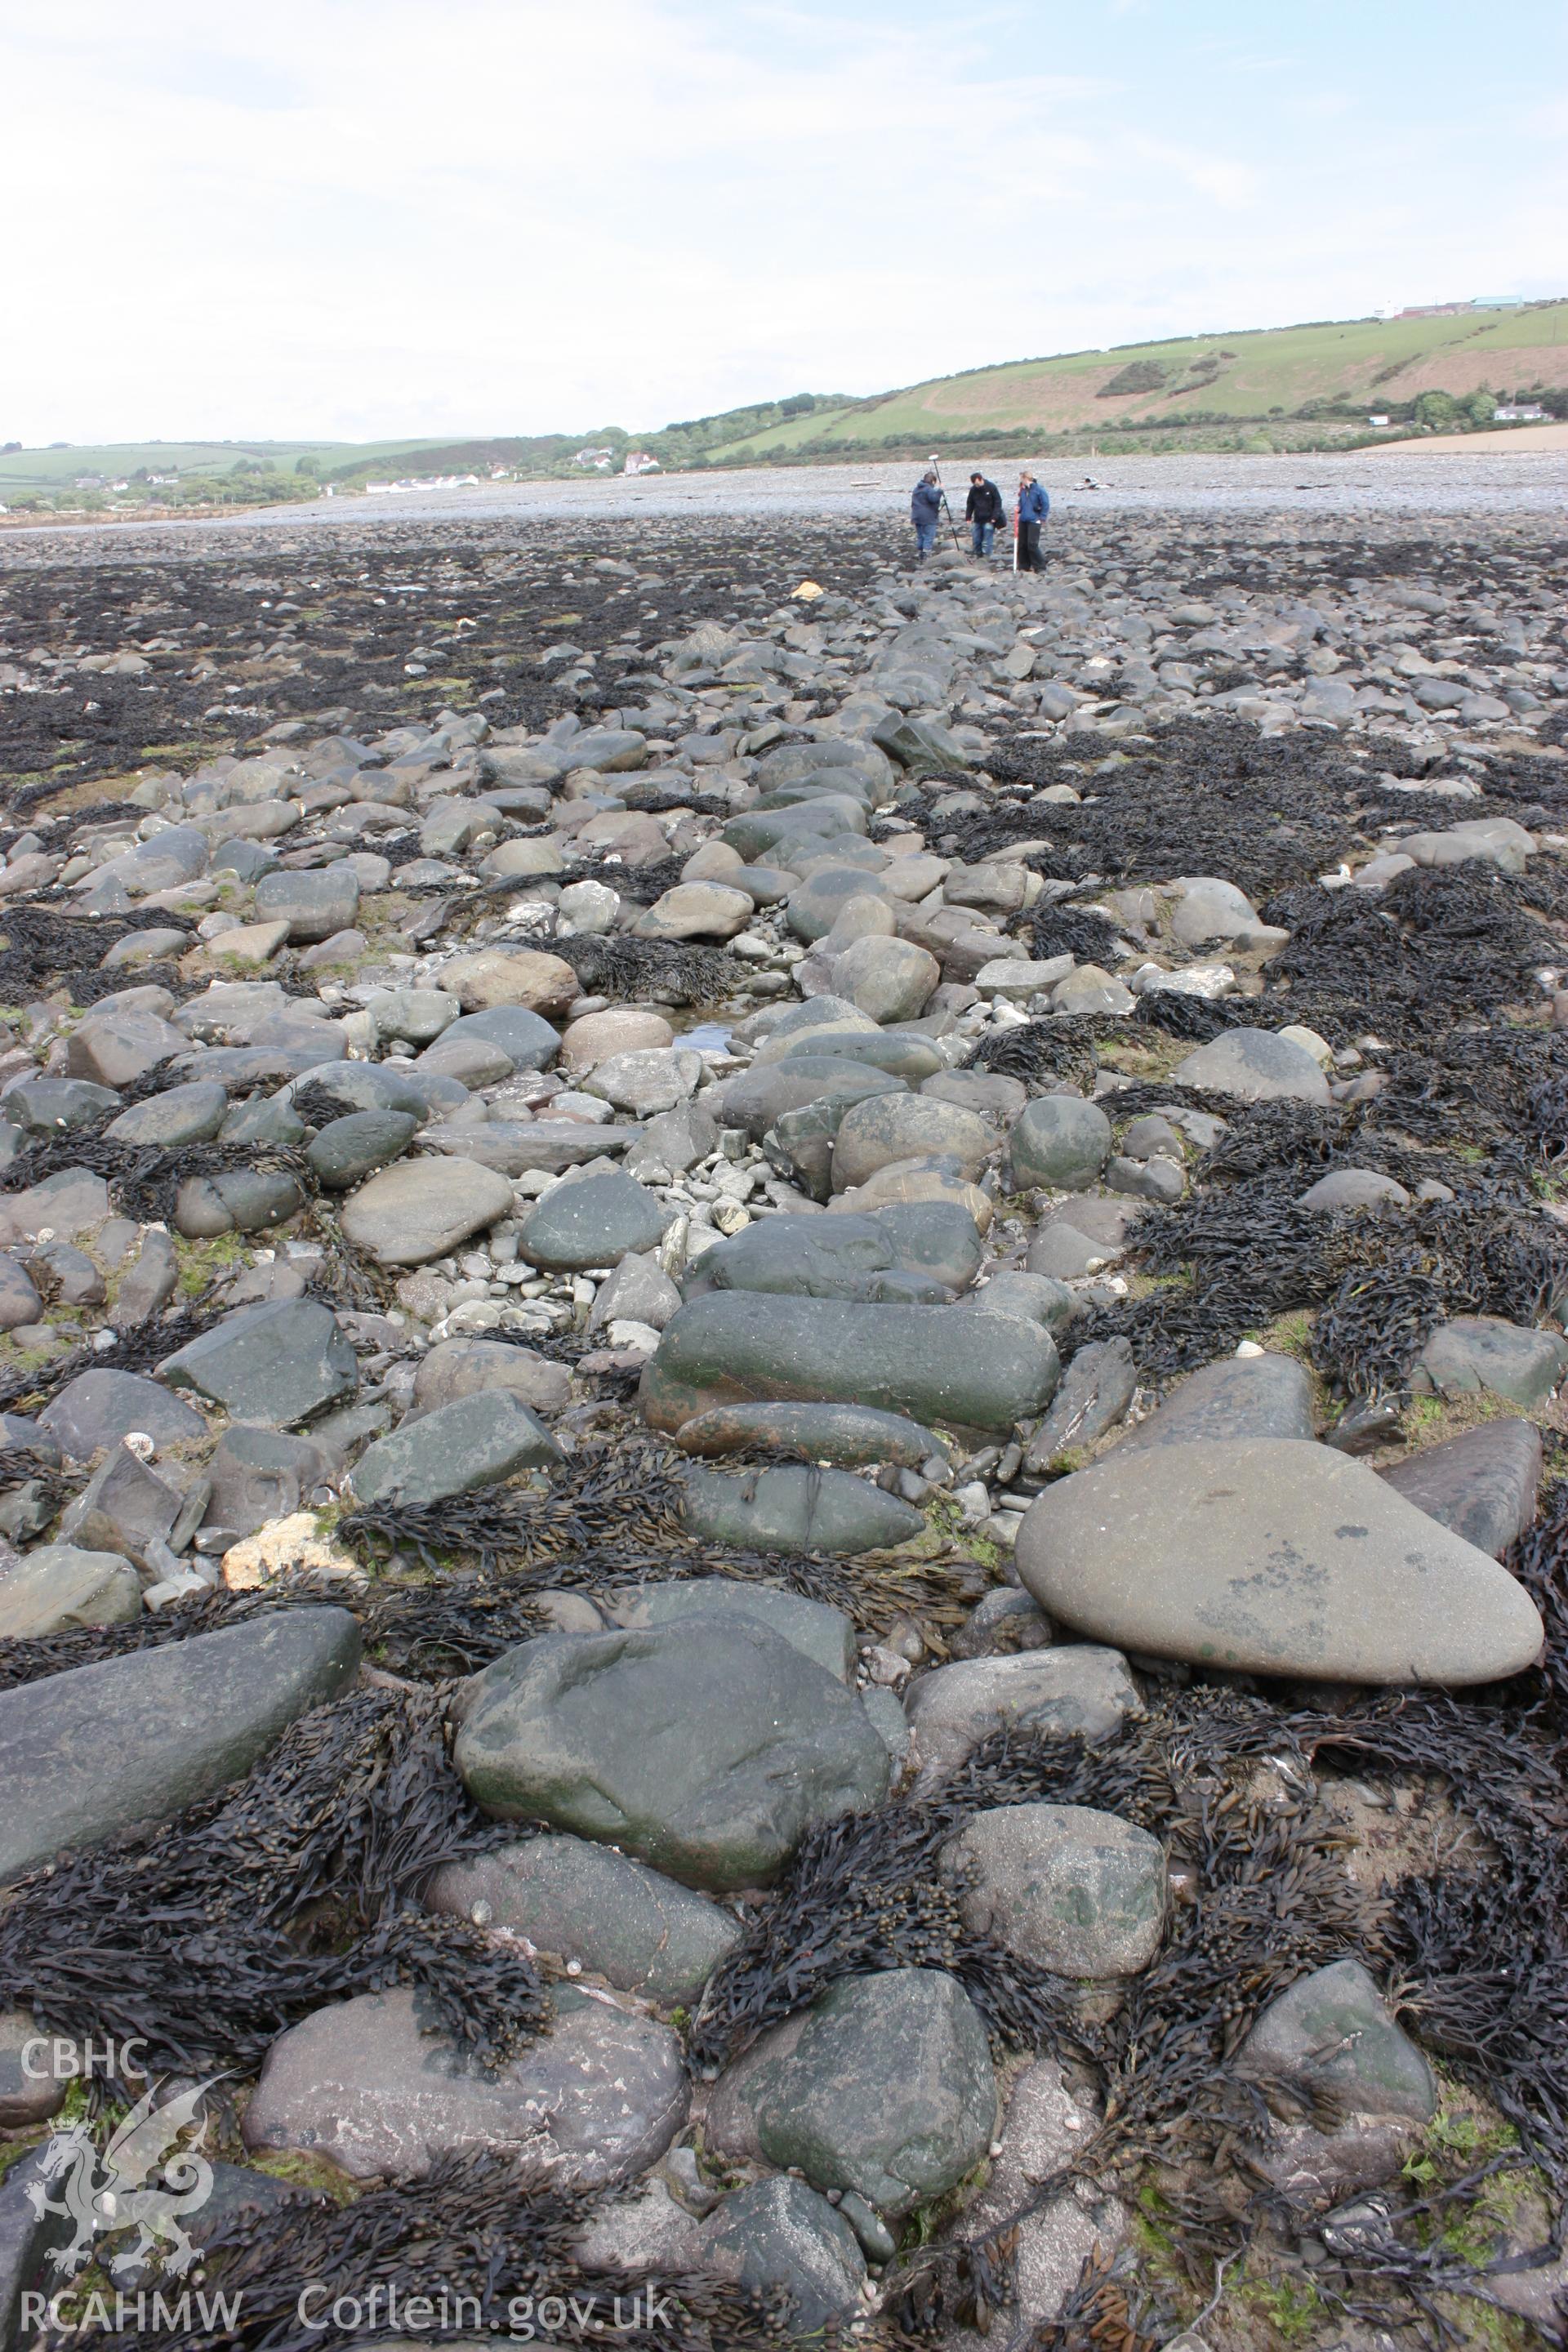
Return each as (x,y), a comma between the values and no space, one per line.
(143,2180)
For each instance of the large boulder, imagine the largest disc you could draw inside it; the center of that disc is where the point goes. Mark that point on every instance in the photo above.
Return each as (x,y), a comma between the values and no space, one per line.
(1255,1066)
(460,1368)
(136,1739)
(706,1748)
(761,1094)
(1073,1889)
(822,1633)
(1271,1556)
(1483,1351)
(852,1436)
(884,2087)
(1058,1143)
(1238,1397)
(473,1442)
(594,1221)
(796,1508)
(364,2085)
(875,1134)
(1081,1692)
(1483,1485)
(100,1408)
(1349,2089)
(779,2233)
(422,1208)
(891,980)
(313,904)
(544,983)
(942,1367)
(56,1587)
(277,1363)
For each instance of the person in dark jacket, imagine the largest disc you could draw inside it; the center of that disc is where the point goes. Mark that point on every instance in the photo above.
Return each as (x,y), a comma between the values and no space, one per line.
(983,511)
(1034,506)
(925,513)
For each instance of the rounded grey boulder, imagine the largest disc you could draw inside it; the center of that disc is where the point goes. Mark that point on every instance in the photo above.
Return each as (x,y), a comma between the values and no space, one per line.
(796,1508)
(884,2087)
(874,1134)
(135,1739)
(594,1221)
(707,1748)
(1059,1144)
(1074,1889)
(1255,1066)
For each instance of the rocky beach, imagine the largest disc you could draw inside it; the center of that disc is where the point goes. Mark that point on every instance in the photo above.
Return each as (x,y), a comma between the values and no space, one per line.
(781,1543)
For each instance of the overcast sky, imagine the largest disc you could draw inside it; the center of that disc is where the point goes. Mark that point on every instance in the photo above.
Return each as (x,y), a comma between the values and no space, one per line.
(356,218)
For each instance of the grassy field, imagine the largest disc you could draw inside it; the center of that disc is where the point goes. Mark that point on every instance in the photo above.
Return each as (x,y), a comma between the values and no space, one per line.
(1247,379)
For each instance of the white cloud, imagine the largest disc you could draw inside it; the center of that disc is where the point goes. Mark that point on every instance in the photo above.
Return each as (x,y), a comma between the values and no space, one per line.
(499,215)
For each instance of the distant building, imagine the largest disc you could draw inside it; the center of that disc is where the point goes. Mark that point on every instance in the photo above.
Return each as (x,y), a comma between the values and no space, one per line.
(88,482)
(1497,302)
(1377,420)
(1519,411)
(600,459)
(639,462)
(425,482)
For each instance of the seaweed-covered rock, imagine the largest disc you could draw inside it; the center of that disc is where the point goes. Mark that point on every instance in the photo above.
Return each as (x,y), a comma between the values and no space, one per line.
(585,1903)
(706,1748)
(474,1442)
(1071,1889)
(136,1739)
(366,2086)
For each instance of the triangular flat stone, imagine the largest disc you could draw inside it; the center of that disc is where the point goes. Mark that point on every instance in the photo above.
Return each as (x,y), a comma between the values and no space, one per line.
(1271,1556)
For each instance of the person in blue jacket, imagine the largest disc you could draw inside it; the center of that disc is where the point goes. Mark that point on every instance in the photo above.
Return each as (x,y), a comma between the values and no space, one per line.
(1034,506)
(925,513)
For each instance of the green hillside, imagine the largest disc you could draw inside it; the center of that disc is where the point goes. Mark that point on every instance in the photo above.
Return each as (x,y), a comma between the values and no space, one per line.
(1286,387)
(107,477)
(1313,387)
